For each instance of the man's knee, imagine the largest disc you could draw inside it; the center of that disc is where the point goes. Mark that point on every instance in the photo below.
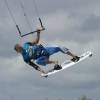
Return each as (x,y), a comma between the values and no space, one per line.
(42,62)
(57,49)
(64,50)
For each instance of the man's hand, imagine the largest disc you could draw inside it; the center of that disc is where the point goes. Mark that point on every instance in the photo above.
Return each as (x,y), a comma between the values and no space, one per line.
(39,30)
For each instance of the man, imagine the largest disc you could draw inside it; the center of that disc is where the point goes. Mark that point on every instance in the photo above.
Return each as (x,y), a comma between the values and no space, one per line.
(36,52)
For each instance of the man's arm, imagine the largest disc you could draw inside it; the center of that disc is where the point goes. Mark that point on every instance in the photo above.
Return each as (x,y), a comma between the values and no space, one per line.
(37,37)
(35,66)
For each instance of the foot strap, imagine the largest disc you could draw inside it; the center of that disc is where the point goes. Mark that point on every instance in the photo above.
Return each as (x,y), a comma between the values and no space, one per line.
(57,67)
(75,59)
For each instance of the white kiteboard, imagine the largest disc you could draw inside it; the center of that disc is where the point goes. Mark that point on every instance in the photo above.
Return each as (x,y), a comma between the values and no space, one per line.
(68,64)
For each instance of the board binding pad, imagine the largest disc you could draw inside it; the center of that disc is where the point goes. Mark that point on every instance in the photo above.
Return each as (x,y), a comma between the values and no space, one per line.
(68,63)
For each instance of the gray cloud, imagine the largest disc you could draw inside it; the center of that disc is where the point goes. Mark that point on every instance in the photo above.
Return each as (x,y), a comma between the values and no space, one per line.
(23,81)
(92,24)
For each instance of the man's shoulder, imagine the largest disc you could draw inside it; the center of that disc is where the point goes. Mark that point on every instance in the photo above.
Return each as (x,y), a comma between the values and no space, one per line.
(26,45)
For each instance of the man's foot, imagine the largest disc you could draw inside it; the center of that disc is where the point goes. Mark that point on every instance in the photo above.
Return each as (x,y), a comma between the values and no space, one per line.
(75,59)
(57,67)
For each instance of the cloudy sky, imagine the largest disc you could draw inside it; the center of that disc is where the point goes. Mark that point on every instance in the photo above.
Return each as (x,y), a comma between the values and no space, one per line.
(71,23)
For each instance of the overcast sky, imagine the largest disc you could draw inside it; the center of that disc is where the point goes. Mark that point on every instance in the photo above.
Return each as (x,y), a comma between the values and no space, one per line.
(71,23)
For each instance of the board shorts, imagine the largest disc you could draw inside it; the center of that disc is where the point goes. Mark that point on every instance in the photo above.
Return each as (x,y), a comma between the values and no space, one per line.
(43,60)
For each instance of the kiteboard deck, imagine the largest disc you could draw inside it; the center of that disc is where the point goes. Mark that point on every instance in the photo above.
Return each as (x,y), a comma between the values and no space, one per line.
(68,64)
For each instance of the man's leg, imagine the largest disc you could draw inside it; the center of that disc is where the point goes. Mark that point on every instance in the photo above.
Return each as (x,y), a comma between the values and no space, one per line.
(45,60)
(66,51)
(53,50)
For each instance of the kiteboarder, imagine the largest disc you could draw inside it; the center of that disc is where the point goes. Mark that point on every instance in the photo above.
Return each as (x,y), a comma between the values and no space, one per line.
(36,54)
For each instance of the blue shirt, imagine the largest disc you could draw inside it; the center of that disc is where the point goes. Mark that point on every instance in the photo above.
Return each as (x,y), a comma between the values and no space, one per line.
(33,51)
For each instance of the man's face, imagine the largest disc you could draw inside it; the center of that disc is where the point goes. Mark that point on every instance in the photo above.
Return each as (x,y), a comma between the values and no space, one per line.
(18,48)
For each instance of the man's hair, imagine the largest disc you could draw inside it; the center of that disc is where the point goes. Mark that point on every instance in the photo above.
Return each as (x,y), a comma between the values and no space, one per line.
(15,47)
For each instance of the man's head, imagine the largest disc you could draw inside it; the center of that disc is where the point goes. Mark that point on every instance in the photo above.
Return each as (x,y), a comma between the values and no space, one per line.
(18,48)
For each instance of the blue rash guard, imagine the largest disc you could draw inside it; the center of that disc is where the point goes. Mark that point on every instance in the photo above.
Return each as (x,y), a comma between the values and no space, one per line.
(38,53)
(34,52)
